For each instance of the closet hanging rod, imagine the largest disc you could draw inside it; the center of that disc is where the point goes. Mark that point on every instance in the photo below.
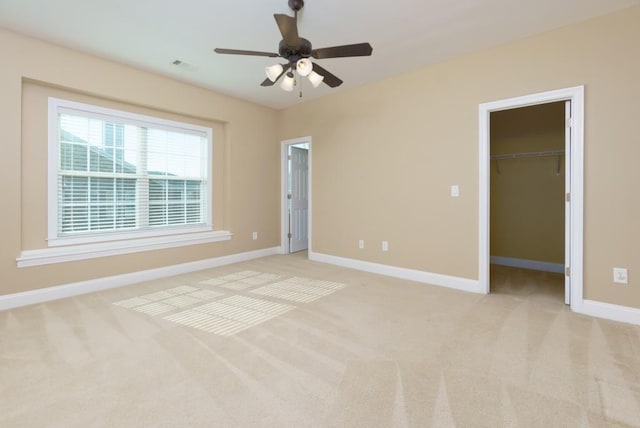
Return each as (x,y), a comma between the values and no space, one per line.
(549,153)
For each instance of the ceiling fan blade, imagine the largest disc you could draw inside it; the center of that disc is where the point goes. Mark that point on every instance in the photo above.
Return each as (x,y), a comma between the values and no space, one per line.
(288,28)
(329,78)
(241,52)
(268,82)
(358,49)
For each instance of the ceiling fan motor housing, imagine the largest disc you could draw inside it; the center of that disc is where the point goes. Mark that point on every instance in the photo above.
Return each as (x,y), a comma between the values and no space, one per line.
(293,54)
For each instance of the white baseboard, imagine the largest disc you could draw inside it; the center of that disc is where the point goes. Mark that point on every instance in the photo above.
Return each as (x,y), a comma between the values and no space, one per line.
(611,312)
(589,307)
(10,301)
(457,283)
(528,264)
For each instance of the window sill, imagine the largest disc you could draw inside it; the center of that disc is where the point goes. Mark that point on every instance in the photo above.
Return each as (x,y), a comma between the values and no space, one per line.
(72,253)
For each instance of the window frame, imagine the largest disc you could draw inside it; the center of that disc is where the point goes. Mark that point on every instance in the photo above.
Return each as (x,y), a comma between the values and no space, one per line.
(57,106)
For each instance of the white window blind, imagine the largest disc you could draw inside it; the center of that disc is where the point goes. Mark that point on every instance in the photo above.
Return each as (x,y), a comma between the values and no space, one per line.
(118,172)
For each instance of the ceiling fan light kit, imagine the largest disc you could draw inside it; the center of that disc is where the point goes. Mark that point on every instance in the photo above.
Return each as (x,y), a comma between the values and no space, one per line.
(288,82)
(297,51)
(304,67)
(315,79)
(273,71)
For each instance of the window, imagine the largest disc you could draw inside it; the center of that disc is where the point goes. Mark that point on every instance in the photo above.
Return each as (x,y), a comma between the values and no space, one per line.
(117,175)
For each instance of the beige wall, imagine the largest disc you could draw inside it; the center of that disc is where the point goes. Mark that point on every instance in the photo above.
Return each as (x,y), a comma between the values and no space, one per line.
(385,154)
(527,194)
(247,178)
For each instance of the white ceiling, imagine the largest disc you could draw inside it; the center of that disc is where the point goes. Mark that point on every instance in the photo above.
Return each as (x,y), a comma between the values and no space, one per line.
(405,34)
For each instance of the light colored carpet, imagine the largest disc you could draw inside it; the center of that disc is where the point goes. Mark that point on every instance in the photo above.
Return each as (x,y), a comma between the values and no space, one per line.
(285,342)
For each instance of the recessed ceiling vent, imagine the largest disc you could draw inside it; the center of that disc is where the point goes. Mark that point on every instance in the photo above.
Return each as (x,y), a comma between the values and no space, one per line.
(184,65)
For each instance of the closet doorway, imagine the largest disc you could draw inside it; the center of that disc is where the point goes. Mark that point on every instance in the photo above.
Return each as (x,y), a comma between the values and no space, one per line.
(566,167)
(527,197)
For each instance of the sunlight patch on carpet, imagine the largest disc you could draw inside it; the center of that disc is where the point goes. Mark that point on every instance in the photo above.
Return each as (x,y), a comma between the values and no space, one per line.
(198,308)
(298,289)
(161,302)
(229,316)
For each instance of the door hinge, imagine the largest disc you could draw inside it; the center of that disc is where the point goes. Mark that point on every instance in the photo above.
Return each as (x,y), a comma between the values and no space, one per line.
(289,196)
(289,157)
(567,271)
(289,235)
(569,122)
(567,197)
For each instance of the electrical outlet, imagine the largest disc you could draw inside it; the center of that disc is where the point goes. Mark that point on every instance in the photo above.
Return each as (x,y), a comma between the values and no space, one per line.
(255,236)
(361,244)
(385,246)
(620,275)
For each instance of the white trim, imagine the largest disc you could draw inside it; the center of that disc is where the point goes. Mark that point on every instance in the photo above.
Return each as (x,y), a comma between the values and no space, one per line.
(72,253)
(284,223)
(576,96)
(567,203)
(124,237)
(484,159)
(611,312)
(528,264)
(454,282)
(122,116)
(52,168)
(69,290)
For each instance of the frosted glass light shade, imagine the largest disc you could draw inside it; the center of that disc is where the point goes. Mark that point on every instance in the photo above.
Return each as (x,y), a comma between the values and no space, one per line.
(304,67)
(273,71)
(315,79)
(288,82)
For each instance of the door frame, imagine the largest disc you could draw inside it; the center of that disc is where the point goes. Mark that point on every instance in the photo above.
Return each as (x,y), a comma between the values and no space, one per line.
(576,96)
(284,178)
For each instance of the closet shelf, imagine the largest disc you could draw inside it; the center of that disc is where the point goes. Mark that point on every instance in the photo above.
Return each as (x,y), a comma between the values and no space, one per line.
(545,154)
(549,153)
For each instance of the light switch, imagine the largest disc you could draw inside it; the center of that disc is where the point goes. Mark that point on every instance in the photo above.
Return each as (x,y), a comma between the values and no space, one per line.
(455,191)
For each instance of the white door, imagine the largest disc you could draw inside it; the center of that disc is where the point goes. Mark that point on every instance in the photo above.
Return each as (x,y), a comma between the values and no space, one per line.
(298,199)
(567,204)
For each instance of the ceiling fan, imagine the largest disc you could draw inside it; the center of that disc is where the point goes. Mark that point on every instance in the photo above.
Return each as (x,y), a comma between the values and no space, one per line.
(297,51)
